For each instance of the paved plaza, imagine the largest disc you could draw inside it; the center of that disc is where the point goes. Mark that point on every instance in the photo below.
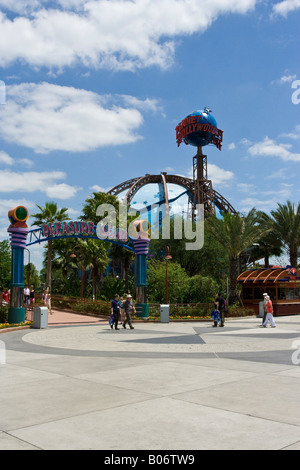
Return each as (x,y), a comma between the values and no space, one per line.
(162,386)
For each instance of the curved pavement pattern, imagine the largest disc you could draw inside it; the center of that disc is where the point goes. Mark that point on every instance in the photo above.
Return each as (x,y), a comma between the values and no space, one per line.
(157,387)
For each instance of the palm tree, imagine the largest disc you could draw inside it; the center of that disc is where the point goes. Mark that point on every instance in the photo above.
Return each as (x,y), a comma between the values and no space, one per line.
(49,214)
(268,245)
(93,202)
(96,259)
(235,233)
(285,222)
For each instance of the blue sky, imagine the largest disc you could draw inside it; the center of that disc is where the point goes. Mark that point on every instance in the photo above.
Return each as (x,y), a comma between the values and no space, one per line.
(95,89)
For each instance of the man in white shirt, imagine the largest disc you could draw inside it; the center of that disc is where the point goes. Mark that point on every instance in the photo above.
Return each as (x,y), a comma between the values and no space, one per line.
(26,296)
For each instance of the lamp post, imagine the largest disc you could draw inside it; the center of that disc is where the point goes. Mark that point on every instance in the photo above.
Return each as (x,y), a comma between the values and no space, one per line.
(167,257)
(81,265)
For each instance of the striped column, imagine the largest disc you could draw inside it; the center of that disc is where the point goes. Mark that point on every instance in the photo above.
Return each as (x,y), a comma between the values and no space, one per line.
(18,237)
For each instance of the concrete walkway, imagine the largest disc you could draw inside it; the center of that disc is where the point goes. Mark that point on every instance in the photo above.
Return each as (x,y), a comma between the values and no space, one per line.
(187,386)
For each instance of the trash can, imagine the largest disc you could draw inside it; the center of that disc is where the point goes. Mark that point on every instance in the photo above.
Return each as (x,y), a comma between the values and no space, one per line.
(261,310)
(40,318)
(164,313)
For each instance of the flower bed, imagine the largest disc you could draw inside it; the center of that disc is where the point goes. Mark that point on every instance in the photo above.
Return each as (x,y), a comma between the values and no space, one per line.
(14,325)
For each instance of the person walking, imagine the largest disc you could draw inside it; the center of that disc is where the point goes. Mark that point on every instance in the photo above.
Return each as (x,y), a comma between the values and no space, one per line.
(122,311)
(32,295)
(115,310)
(220,306)
(265,295)
(44,298)
(26,296)
(49,303)
(269,316)
(129,309)
(5,296)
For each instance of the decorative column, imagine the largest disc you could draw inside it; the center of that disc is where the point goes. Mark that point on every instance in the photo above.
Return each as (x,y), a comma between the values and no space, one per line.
(141,248)
(18,232)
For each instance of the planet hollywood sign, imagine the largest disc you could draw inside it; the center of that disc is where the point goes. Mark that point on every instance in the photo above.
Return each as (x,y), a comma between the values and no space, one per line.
(78,228)
(192,124)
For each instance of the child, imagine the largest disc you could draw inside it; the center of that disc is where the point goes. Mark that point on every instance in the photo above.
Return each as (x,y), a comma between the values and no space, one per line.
(215,316)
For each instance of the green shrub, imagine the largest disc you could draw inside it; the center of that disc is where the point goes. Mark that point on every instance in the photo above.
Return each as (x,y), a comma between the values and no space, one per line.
(97,307)
(237,311)
(3,313)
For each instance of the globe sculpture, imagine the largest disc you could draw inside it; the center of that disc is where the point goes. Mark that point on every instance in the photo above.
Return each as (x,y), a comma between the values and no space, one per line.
(199,129)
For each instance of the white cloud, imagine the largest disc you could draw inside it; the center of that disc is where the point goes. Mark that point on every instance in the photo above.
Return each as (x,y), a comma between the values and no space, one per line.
(26,6)
(29,182)
(117,35)
(293,135)
(61,191)
(245,141)
(98,189)
(219,176)
(279,174)
(46,117)
(6,159)
(285,7)
(245,187)
(269,199)
(265,205)
(168,168)
(287,78)
(26,162)
(269,147)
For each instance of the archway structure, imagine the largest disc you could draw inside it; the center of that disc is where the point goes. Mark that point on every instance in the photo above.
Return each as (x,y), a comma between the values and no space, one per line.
(19,232)
(198,189)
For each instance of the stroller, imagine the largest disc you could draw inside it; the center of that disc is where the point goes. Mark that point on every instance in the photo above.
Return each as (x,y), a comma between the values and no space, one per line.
(216,317)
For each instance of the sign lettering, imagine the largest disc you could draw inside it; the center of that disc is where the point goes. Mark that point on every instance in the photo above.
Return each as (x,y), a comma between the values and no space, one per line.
(68,228)
(191,124)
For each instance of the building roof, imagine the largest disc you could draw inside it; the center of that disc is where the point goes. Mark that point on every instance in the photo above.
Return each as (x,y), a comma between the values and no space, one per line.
(267,275)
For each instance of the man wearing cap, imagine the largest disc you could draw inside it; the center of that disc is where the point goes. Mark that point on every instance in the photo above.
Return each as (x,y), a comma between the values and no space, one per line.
(269,314)
(129,308)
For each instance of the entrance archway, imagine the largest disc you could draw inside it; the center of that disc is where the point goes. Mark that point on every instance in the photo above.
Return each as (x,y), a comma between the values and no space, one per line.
(21,238)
